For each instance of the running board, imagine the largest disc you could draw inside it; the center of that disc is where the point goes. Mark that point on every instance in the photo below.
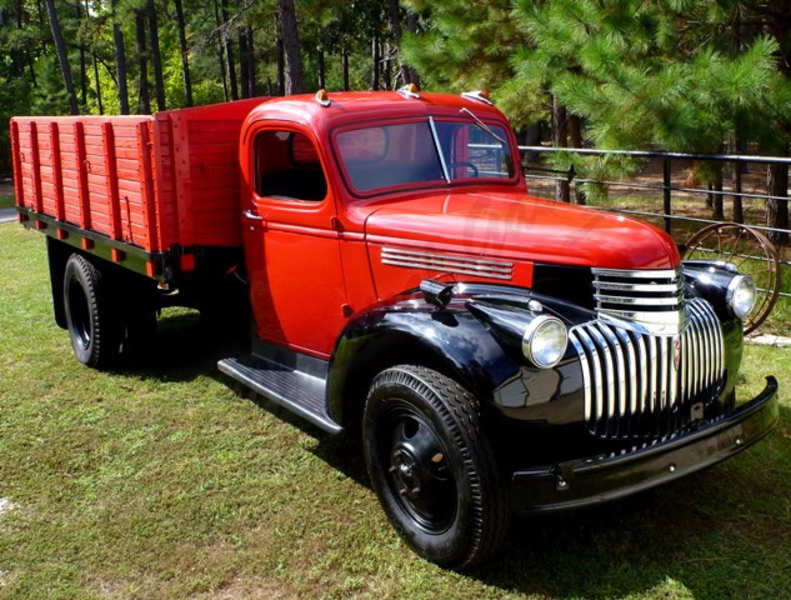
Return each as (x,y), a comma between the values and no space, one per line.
(298,391)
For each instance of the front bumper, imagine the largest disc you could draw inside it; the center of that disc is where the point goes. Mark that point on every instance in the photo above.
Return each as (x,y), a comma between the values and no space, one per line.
(586,482)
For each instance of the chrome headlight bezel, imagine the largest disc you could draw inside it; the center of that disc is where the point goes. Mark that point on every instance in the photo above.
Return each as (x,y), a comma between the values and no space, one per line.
(735,286)
(531,335)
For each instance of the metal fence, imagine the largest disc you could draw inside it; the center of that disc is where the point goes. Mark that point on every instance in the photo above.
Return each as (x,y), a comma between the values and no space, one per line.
(666,188)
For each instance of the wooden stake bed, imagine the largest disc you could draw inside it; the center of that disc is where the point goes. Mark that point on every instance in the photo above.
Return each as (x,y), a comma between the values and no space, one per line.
(151,190)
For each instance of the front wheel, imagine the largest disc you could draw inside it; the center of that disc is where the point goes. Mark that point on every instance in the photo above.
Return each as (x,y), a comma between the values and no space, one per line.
(432,467)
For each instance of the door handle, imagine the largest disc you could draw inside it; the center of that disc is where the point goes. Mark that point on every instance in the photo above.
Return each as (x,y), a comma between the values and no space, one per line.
(249,214)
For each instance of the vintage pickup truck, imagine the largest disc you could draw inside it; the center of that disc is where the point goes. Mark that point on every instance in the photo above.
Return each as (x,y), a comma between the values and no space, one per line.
(496,352)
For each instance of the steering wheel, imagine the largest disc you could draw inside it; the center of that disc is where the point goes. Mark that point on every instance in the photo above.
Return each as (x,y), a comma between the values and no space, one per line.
(464,163)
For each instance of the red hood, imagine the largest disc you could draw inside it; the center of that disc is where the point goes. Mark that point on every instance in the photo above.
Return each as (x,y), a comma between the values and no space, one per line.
(525,228)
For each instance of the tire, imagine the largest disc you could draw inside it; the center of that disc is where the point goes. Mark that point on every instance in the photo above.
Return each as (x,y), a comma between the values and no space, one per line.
(432,467)
(93,331)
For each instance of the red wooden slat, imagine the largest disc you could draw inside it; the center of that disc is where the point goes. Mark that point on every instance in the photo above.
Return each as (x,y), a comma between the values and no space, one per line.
(147,184)
(108,142)
(54,138)
(17,162)
(38,200)
(85,203)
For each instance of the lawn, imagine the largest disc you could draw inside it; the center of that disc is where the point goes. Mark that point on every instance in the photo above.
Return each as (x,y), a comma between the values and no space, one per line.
(6,196)
(162,482)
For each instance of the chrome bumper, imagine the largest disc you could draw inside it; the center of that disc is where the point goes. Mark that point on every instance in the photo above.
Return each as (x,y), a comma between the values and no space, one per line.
(586,482)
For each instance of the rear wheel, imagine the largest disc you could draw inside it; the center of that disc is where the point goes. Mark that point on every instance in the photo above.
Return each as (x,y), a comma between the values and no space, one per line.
(92,328)
(432,467)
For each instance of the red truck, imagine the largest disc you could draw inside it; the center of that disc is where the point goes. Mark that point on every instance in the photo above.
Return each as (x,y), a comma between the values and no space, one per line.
(496,352)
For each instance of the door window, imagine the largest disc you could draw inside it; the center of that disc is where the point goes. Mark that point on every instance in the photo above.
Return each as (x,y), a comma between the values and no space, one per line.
(288,167)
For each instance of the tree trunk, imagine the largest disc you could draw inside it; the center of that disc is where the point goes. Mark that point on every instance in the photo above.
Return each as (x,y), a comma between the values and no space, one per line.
(220,53)
(32,70)
(408,74)
(719,210)
(251,61)
(185,63)
(83,70)
(560,140)
(532,137)
(375,62)
(98,85)
(345,69)
(159,80)
(412,26)
(143,101)
(736,179)
(120,63)
(322,80)
(228,48)
(281,67)
(575,137)
(244,64)
(387,72)
(288,25)
(60,47)
(777,210)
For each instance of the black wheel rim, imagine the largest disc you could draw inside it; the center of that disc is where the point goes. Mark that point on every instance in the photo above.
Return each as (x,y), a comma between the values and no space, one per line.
(79,314)
(416,466)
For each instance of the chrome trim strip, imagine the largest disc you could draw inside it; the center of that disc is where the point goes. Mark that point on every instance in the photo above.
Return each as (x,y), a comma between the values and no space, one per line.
(603,299)
(502,264)
(586,380)
(598,400)
(447,263)
(616,286)
(644,383)
(608,366)
(438,147)
(643,274)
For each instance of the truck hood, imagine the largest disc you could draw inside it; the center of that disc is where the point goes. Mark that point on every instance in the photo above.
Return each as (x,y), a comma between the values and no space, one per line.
(523,227)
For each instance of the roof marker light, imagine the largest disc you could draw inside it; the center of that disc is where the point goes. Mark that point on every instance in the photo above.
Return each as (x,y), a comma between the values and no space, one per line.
(323,98)
(479,95)
(409,91)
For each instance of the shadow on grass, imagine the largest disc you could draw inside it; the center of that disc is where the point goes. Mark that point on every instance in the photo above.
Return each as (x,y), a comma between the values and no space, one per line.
(624,548)
(186,346)
(690,533)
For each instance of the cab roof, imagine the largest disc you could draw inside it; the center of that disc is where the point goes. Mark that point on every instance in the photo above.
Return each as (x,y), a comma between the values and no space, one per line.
(355,107)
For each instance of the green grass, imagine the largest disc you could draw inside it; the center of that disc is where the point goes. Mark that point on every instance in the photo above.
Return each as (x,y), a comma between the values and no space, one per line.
(6,200)
(161,482)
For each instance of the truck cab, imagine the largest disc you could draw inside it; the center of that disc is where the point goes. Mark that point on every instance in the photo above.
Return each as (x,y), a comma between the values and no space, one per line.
(496,353)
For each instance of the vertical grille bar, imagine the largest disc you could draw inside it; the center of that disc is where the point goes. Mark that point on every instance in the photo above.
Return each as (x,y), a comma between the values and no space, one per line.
(639,385)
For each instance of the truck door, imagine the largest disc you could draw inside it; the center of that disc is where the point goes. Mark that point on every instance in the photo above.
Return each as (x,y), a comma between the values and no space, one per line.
(292,250)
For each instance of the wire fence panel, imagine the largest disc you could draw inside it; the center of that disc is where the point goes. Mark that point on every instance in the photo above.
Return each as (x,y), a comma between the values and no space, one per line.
(668,195)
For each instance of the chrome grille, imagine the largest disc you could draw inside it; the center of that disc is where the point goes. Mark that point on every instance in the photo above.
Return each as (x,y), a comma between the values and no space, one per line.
(653,299)
(447,263)
(638,385)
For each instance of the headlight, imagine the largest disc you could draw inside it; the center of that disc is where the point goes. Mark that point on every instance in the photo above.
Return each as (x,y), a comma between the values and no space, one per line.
(544,341)
(741,295)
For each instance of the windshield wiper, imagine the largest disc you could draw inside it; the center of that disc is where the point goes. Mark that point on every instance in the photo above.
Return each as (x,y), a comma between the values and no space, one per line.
(484,126)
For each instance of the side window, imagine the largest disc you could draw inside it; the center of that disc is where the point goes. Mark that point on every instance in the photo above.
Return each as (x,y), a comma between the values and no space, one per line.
(288,167)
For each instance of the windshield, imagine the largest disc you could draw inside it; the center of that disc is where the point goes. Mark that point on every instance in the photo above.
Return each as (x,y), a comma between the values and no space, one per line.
(431,151)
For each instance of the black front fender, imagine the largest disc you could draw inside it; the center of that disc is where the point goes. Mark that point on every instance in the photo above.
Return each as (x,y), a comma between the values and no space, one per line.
(408,330)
